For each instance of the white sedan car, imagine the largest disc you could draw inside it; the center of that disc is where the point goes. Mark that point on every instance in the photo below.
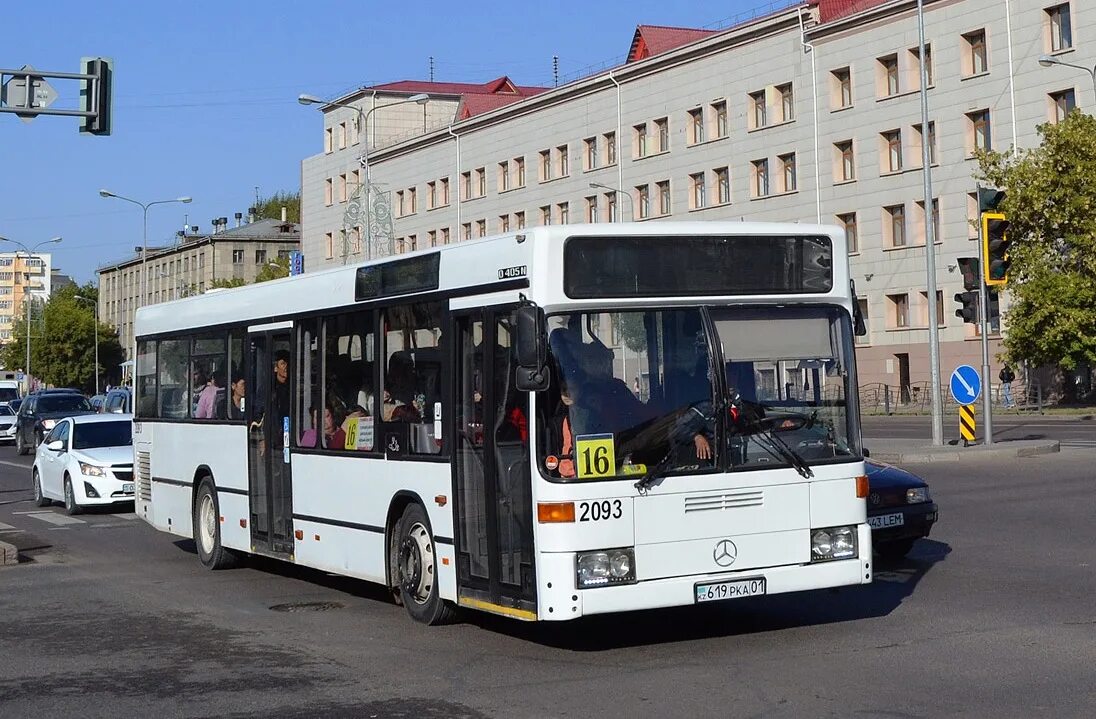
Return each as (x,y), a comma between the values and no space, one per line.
(7,423)
(85,460)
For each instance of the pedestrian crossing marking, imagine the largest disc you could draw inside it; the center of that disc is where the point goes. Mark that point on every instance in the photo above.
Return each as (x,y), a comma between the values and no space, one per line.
(5,527)
(58,519)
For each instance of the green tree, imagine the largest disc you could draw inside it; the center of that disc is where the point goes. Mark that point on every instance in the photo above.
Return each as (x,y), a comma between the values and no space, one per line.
(1051,207)
(63,341)
(273,270)
(271,207)
(234,282)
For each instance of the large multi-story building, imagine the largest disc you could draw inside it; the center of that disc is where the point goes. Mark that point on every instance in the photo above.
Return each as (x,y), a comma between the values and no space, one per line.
(809,114)
(192,265)
(21,277)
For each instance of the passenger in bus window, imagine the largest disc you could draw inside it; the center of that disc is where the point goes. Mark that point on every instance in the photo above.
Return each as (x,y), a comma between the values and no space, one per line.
(238,390)
(562,435)
(333,435)
(207,398)
(281,386)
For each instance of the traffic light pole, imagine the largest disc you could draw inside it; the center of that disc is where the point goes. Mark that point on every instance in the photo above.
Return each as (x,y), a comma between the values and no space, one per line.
(983,326)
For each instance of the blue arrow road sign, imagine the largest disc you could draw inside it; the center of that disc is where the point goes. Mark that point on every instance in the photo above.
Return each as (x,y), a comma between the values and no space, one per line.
(966,384)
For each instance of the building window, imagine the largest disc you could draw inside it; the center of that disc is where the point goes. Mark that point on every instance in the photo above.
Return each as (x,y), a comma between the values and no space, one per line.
(342,188)
(1060,27)
(413,200)
(978,131)
(915,67)
(719,110)
(519,172)
(504,223)
(852,234)
(787,172)
(591,209)
(640,133)
(564,161)
(662,126)
(481,228)
(787,102)
(466,185)
(723,185)
(924,314)
(840,88)
(899,310)
(590,154)
(519,220)
(260,257)
(356,240)
(342,135)
(611,206)
(443,190)
(481,182)
(563,209)
(758,110)
(844,162)
(504,176)
(863,304)
(697,192)
(545,165)
(466,230)
(610,148)
(888,75)
(919,136)
(894,225)
(431,195)
(237,257)
(401,207)
(328,140)
(1061,104)
(546,215)
(664,197)
(760,170)
(696,126)
(328,191)
(329,245)
(921,226)
(975,58)
(892,151)
(643,202)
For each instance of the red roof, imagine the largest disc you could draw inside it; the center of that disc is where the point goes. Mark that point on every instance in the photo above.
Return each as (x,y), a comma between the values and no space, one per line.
(836,9)
(654,39)
(475,98)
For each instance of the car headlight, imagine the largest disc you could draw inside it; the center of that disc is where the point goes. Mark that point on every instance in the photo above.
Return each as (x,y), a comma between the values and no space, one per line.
(833,543)
(605,567)
(91,470)
(917,495)
(48,423)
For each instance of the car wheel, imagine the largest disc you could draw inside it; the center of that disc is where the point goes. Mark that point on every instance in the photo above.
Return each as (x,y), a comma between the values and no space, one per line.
(20,447)
(896,550)
(71,507)
(416,569)
(206,525)
(40,499)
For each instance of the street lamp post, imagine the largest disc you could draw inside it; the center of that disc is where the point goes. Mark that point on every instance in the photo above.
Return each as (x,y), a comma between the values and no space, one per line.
(95,305)
(360,120)
(144,232)
(617,190)
(1048,60)
(26,294)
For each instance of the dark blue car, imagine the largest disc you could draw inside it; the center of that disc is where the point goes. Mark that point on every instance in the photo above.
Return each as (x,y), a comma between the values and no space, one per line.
(900,509)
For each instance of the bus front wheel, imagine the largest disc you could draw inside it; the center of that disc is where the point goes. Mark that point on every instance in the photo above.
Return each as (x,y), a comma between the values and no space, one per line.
(207,529)
(416,569)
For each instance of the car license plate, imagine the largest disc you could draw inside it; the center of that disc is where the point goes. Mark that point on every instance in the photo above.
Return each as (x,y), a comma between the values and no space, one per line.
(735,589)
(127,487)
(884,521)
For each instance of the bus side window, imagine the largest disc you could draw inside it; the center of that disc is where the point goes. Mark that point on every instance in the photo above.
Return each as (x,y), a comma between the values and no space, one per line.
(412,382)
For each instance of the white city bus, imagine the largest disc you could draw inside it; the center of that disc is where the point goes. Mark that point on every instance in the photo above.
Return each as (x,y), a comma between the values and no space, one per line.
(547,424)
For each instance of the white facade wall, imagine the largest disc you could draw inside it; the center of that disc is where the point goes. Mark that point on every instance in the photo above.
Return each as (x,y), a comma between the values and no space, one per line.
(729,66)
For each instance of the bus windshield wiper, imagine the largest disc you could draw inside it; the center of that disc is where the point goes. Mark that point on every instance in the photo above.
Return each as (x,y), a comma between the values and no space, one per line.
(679,437)
(778,445)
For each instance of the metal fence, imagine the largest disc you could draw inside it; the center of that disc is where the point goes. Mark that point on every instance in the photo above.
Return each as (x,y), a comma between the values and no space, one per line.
(880,398)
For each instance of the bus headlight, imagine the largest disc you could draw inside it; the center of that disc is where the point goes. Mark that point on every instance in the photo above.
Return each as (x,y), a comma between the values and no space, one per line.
(833,543)
(605,567)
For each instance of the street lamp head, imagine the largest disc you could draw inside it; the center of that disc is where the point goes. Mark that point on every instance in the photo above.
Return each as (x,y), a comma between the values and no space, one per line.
(184,200)
(306,99)
(1047,60)
(106,193)
(54,239)
(422,98)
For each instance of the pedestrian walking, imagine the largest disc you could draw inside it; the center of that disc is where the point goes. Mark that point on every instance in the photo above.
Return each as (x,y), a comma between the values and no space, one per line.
(1007,376)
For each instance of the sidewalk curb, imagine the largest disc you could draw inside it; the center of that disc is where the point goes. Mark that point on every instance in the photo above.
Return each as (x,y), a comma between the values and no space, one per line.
(956,453)
(8,554)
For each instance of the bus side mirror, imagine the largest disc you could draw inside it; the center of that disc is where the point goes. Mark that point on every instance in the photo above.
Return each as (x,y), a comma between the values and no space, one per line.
(531,348)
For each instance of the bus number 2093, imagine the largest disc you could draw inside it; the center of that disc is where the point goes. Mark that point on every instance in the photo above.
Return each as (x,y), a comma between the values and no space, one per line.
(597,511)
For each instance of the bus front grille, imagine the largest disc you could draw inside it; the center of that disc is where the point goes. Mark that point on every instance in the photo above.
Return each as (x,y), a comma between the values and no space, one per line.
(724,500)
(143,475)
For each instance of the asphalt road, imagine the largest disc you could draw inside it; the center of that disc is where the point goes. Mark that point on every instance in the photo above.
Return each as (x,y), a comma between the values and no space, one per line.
(992,617)
(1071,431)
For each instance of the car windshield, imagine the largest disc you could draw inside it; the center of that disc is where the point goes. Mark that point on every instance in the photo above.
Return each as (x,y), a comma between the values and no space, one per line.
(63,403)
(6,411)
(102,434)
(652,392)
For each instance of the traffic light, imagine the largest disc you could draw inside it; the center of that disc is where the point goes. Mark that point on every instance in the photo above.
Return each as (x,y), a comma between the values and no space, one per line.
(95,95)
(971,276)
(995,245)
(969,310)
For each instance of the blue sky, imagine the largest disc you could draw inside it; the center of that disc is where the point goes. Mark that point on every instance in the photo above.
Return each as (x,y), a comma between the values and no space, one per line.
(205,95)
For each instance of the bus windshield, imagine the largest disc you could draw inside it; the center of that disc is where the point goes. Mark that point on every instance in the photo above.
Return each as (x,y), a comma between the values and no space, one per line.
(656,391)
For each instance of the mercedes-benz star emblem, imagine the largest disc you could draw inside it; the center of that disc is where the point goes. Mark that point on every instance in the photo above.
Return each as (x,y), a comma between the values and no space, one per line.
(725,553)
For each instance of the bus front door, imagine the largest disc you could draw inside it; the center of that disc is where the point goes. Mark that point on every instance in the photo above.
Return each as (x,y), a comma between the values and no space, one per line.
(494,514)
(267,409)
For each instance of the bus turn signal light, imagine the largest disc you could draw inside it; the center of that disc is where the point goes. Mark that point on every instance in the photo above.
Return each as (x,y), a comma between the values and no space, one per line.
(862,486)
(549,512)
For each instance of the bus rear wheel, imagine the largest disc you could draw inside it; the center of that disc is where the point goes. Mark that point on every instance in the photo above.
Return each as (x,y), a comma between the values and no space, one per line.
(416,569)
(206,525)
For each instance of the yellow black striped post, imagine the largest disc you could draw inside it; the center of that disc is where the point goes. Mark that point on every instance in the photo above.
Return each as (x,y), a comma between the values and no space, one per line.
(966,423)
